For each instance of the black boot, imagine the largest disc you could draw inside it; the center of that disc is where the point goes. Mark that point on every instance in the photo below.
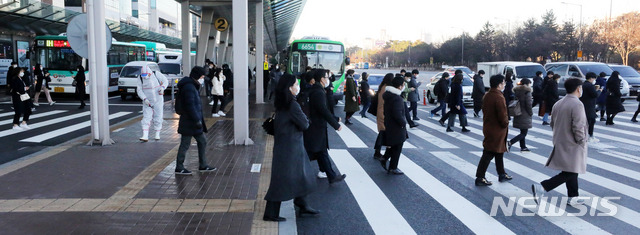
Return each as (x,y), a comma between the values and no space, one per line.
(301,203)
(635,115)
(272,212)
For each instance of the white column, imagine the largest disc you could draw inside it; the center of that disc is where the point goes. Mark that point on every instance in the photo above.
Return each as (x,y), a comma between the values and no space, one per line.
(259,53)
(186,37)
(223,59)
(210,47)
(240,79)
(98,73)
(203,38)
(216,47)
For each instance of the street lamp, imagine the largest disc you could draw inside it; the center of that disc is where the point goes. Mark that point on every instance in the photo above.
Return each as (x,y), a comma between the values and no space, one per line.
(579,40)
(462,54)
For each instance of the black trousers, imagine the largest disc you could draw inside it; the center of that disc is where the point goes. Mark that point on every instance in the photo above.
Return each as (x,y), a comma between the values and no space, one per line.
(521,137)
(635,115)
(393,153)
(272,209)
(378,145)
(217,98)
(483,165)
(324,163)
(408,116)
(413,106)
(477,106)
(569,178)
(592,123)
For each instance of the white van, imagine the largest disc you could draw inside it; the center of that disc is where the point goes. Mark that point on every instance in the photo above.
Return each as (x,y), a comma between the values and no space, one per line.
(579,69)
(520,70)
(129,76)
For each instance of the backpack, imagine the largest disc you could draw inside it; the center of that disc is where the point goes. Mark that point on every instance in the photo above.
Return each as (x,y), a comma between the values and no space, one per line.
(177,103)
(373,108)
(514,108)
(437,89)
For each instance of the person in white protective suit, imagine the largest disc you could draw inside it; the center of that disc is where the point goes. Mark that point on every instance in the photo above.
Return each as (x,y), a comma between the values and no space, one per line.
(150,89)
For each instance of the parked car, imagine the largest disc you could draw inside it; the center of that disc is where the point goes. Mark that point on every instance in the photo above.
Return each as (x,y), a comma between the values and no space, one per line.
(465,69)
(631,76)
(129,76)
(467,88)
(374,82)
(520,70)
(575,69)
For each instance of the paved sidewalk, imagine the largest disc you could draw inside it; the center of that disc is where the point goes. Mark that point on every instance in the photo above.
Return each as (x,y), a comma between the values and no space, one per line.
(131,187)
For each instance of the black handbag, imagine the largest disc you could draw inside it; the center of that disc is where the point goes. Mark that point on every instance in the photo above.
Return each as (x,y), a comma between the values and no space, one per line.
(268,125)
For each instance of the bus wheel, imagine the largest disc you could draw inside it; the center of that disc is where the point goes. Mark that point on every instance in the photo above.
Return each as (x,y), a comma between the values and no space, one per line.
(123,97)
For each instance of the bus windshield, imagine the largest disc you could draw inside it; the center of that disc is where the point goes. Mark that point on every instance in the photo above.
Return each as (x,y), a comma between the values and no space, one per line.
(60,59)
(323,60)
(169,68)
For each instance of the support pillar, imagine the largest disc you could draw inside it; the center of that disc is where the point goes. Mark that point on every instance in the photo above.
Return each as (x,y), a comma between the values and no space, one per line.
(259,53)
(223,59)
(240,14)
(216,47)
(98,74)
(203,38)
(186,37)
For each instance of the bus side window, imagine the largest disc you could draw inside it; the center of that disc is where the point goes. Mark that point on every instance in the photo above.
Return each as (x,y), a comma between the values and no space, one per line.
(295,62)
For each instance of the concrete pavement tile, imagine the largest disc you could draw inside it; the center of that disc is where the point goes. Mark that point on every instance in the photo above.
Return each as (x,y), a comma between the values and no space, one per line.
(192,205)
(217,205)
(60,204)
(242,205)
(34,205)
(9,205)
(141,205)
(86,204)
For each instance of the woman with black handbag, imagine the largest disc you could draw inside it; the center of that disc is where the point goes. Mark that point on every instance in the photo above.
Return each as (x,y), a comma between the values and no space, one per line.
(21,101)
(291,175)
(42,84)
(524,120)
(380,115)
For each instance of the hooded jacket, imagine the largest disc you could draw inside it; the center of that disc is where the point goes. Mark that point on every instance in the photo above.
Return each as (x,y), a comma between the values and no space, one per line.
(192,120)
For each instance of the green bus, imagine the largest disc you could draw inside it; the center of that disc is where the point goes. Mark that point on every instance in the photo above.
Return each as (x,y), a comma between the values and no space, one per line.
(55,54)
(152,49)
(320,53)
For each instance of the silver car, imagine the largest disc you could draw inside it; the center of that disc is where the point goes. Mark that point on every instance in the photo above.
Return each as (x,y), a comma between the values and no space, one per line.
(467,88)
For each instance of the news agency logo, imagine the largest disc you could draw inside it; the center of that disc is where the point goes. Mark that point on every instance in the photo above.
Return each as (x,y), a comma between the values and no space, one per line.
(554,206)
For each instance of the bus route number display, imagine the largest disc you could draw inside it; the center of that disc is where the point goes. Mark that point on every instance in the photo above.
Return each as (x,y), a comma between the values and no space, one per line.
(319,47)
(55,43)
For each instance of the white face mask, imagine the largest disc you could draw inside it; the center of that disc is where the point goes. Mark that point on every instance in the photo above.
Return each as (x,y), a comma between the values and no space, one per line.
(297,89)
(201,81)
(15,65)
(21,74)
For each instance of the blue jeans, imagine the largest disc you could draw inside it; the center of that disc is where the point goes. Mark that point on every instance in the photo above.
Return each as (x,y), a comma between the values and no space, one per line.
(365,107)
(443,107)
(545,118)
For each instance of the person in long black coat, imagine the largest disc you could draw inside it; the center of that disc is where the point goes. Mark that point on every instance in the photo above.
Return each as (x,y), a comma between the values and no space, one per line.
(81,88)
(191,123)
(537,89)
(456,105)
(291,175)
(588,98)
(42,84)
(365,94)
(331,101)
(316,138)
(602,98)
(614,97)
(443,86)
(20,108)
(508,88)
(551,96)
(395,125)
(478,92)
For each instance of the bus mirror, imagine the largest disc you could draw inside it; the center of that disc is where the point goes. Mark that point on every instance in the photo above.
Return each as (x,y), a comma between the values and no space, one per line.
(347,61)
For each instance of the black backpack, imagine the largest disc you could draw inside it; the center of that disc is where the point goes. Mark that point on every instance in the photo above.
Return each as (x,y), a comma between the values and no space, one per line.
(373,108)
(437,89)
(177,103)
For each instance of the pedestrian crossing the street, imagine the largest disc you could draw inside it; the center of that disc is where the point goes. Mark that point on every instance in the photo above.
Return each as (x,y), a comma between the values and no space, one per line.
(440,168)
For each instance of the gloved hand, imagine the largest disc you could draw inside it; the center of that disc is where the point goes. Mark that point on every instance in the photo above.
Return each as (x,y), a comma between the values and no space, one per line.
(160,91)
(147,103)
(198,125)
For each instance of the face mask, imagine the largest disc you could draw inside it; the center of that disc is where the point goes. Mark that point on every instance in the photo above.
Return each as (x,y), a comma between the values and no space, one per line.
(201,81)
(297,90)
(15,65)
(21,74)
(593,82)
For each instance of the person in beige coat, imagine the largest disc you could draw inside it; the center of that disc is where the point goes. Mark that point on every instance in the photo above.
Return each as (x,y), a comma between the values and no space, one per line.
(380,115)
(569,155)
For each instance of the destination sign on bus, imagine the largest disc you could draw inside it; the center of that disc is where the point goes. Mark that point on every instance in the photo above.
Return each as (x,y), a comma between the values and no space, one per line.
(53,43)
(319,47)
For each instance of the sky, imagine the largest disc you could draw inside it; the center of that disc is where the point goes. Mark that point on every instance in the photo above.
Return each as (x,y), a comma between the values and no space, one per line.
(350,21)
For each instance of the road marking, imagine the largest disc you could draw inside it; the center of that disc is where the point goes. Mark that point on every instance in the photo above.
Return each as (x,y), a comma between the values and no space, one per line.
(350,138)
(118,130)
(605,136)
(54,112)
(7,114)
(473,217)
(46,123)
(458,136)
(624,214)
(374,127)
(77,104)
(381,214)
(255,168)
(623,156)
(573,225)
(62,131)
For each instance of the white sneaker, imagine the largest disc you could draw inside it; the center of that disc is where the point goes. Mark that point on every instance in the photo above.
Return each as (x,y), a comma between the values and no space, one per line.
(538,192)
(17,128)
(215,115)
(25,126)
(593,140)
(157,137)
(221,114)
(36,104)
(575,201)
(322,175)
(211,103)
(52,103)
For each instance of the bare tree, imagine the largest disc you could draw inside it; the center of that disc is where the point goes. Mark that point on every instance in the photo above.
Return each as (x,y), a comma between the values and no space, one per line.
(622,34)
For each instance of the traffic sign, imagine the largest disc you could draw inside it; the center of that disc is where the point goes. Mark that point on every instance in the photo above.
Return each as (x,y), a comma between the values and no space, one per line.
(579,54)
(266,66)
(221,24)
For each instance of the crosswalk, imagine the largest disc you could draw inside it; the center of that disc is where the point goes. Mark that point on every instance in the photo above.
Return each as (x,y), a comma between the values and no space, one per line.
(48,125)
(440,166)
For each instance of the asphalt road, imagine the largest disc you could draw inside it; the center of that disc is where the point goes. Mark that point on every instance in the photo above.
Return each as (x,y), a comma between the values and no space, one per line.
(437,194)
(53,125)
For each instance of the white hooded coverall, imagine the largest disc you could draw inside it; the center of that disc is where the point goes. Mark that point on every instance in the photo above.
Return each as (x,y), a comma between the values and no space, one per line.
(151,87)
